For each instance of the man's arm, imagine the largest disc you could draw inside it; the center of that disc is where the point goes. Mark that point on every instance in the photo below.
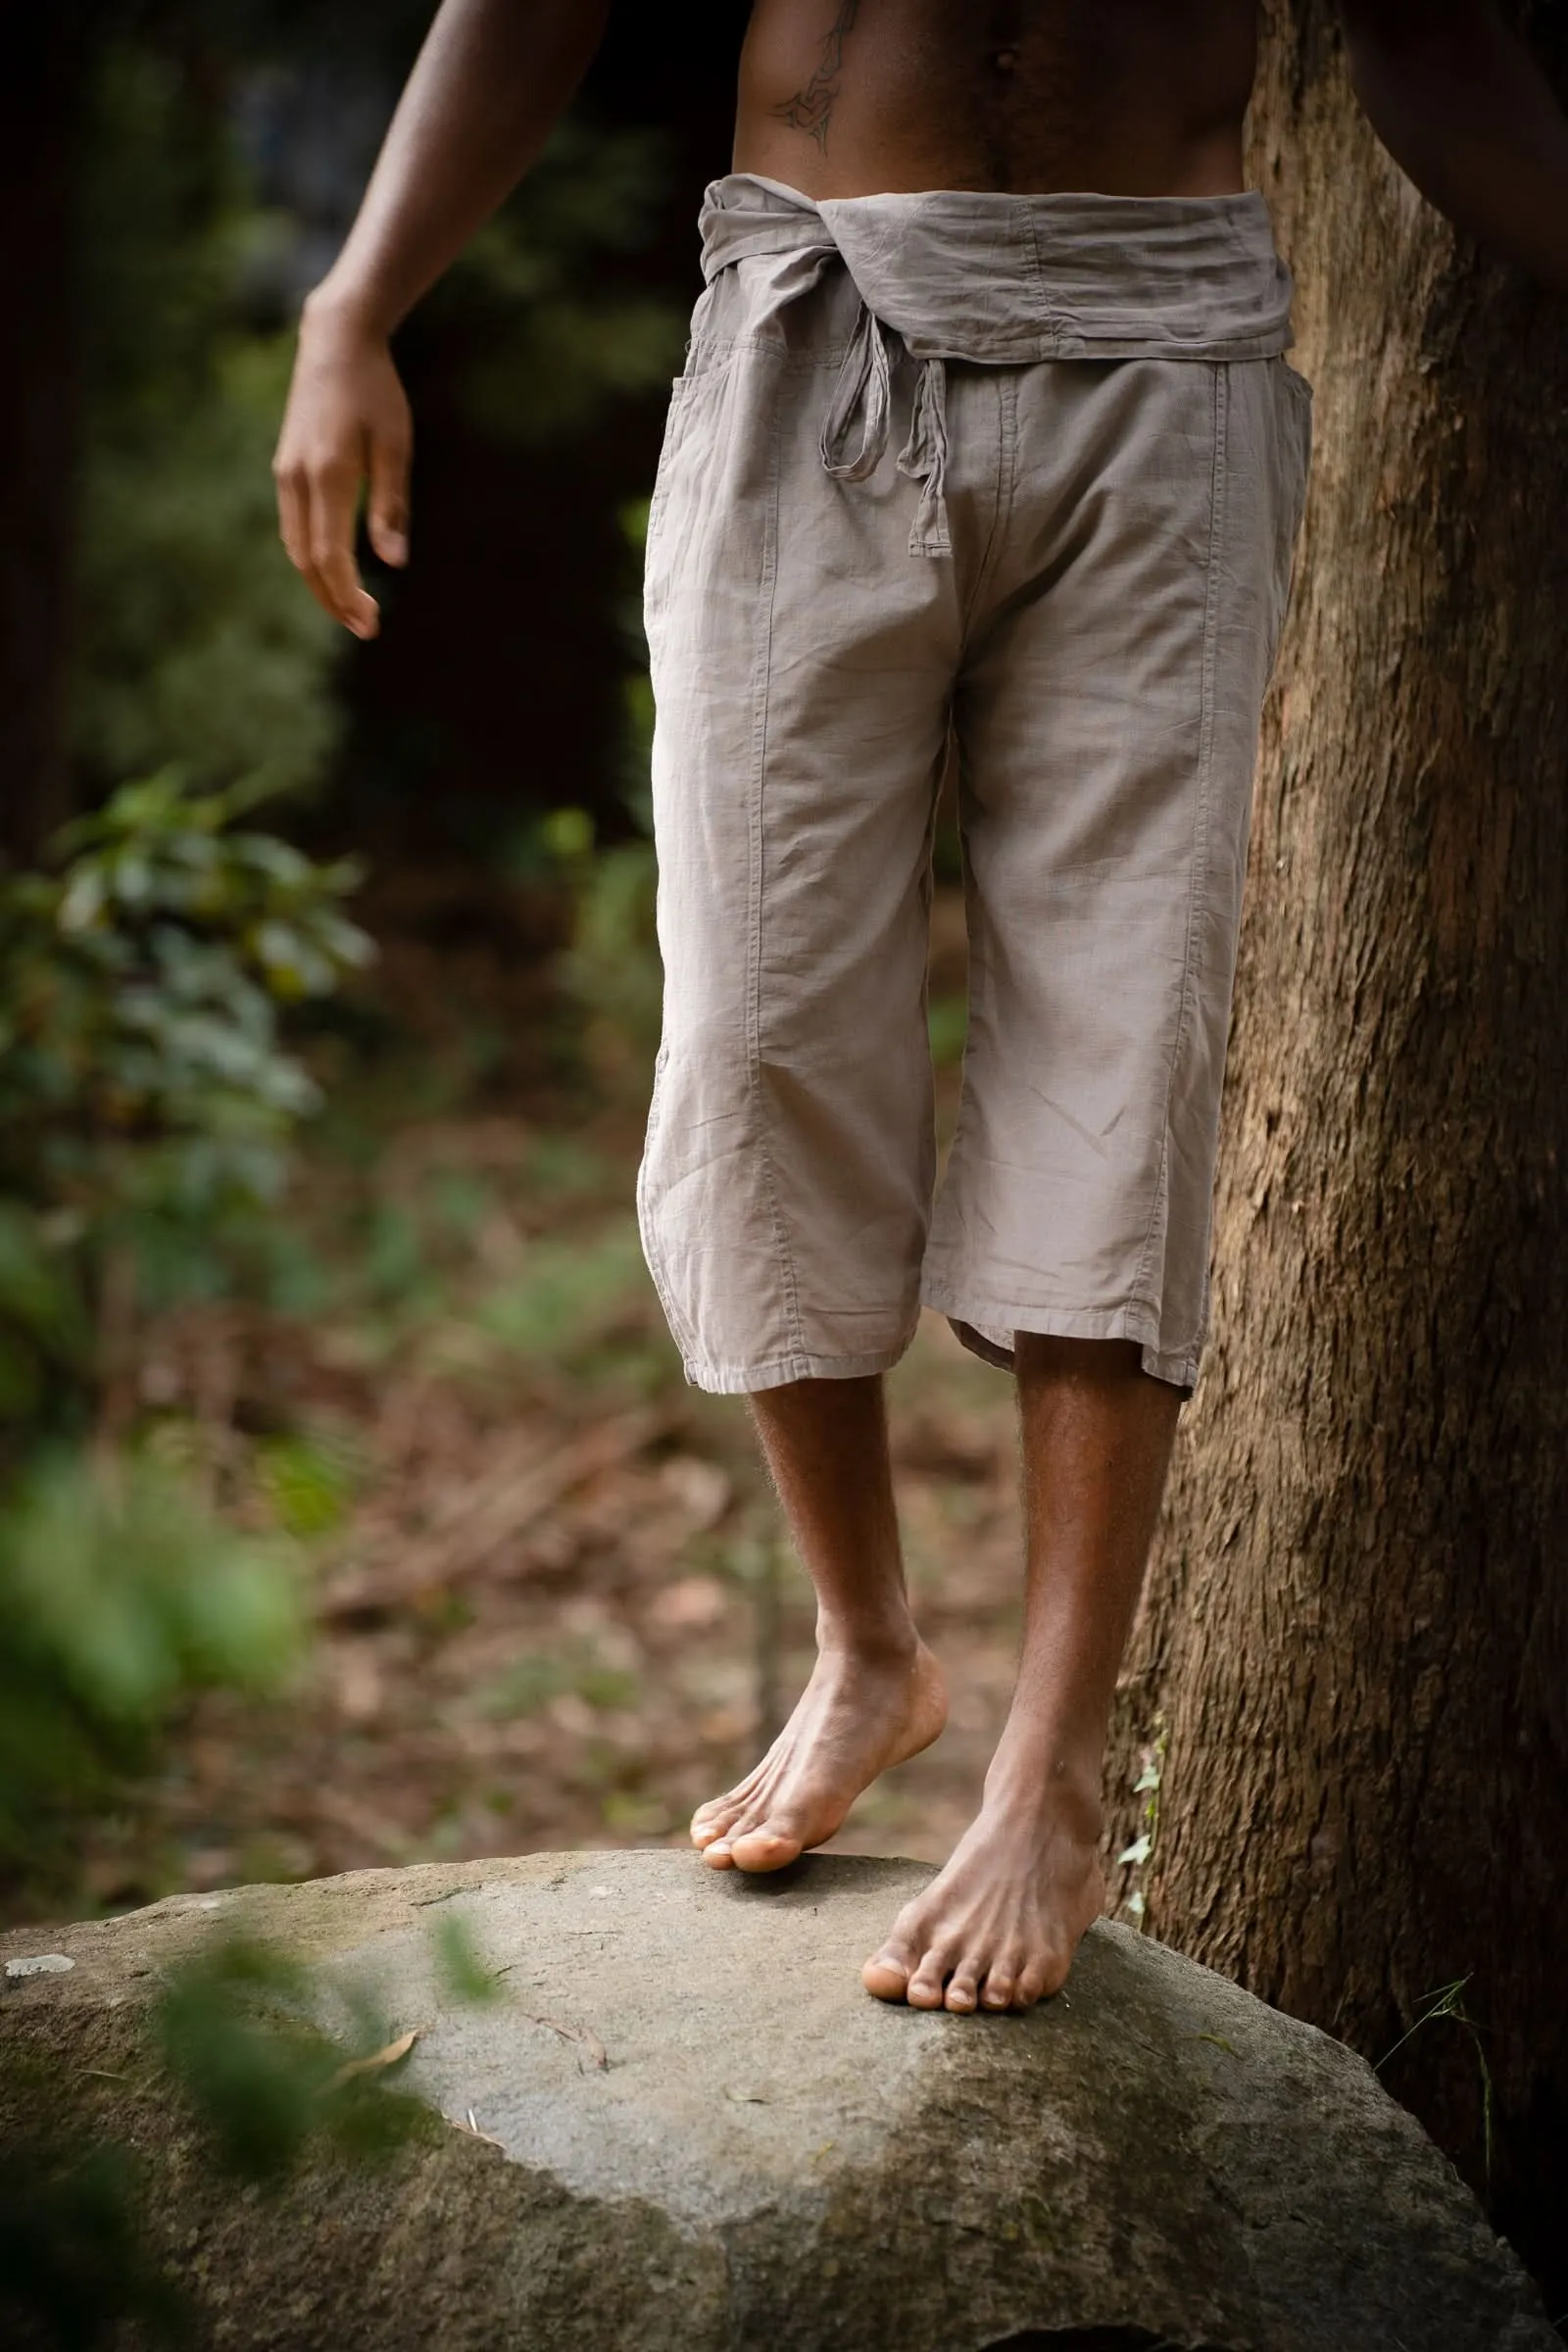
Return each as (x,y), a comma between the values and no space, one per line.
(1463,106)
(488,86)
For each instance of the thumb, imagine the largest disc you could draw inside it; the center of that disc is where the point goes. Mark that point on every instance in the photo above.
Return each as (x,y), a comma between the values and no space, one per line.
(387,510)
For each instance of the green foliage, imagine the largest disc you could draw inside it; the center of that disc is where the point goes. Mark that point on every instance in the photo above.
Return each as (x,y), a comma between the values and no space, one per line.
(147,1100)
(308,1481)
(570,1300)
(461,1969)
(553,340)
(262,2077)
(73,2245)
(948,1024)
(119,1597)
(194,640)
(533,1680)
(1448,2001)
(612,969)
(266,2088)
(147,1107)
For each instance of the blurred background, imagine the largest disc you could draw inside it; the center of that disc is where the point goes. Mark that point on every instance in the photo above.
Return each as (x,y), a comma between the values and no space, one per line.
(353,1508)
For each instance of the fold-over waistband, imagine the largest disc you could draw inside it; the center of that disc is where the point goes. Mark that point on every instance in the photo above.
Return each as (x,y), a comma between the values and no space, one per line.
(1003,281)
(1010,279)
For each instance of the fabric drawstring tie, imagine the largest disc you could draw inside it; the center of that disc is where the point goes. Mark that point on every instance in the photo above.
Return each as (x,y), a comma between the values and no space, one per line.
(863,394)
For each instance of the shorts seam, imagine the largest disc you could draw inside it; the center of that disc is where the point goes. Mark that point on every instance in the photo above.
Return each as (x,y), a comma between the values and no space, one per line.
(1197,885)
(1007,468)
(763,673)
(779,1371)
(977,991)
(1139,1321)
(711,352)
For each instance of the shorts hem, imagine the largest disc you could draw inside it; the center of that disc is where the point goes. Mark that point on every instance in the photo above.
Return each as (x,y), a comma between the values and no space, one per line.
(985,1327)
(777,1372)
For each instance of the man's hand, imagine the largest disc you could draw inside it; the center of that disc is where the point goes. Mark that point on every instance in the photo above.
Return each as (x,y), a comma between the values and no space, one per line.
(490,80)
(347,423)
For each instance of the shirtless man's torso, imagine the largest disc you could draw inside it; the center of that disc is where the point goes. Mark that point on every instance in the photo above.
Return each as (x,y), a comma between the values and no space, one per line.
(1125,97)
(986,435)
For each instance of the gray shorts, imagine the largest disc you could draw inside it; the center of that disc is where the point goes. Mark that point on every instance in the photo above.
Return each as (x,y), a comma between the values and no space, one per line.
(1025,472)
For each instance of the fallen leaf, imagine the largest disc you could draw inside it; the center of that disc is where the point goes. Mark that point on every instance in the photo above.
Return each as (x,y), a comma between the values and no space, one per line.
(590,2040)
(472,2130)
(377,2059)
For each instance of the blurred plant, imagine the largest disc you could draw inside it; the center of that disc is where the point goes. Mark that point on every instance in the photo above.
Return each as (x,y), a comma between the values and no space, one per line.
(580,1301)
(74,2254)
(238,2031)
(121,1597)
(193,641)
(553,340)
(612,968)
(147,1100)
(266,2089)
(461,1969)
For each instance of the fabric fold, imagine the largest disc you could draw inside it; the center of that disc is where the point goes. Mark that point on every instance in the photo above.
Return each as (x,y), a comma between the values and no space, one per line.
(1002,281)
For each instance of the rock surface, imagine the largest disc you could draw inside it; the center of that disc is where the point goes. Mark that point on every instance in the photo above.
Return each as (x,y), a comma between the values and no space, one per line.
(711,2138)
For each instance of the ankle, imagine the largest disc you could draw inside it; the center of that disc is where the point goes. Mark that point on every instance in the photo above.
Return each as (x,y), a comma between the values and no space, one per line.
(1048,1783)
(886,1640)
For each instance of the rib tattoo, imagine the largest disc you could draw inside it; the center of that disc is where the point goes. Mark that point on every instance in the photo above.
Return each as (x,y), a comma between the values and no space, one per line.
(811,110)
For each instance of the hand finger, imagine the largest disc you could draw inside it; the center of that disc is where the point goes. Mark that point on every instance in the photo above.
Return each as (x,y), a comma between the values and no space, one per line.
(294,528)
(294,515)
(334,494)
(387,513)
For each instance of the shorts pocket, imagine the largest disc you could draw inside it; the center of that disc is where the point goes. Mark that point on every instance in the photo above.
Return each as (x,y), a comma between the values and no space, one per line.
(679,414)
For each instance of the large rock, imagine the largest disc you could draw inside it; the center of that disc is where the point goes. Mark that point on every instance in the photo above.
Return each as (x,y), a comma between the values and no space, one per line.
(746,2152)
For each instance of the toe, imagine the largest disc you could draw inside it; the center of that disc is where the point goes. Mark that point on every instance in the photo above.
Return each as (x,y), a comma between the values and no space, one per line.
(1038,1980)
(887,1975)
(962,1988)
(999,1987)
(766,1848)
(925,1987)
(717,1856)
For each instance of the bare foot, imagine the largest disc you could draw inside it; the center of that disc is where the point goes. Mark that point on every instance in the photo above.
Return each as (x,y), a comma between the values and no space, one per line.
(998,1927)
(858,1713)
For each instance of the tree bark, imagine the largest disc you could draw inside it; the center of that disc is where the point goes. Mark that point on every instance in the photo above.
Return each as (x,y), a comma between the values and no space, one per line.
(41,88)
(1351,1671)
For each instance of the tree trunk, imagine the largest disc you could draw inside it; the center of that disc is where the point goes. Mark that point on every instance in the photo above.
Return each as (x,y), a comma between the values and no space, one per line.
(1351,1673)
(41,85)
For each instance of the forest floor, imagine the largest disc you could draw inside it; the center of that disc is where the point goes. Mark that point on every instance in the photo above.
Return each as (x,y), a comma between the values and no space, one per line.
(552,1601)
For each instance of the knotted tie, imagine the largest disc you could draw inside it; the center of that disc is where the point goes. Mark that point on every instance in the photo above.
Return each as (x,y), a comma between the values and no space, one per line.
(863,394)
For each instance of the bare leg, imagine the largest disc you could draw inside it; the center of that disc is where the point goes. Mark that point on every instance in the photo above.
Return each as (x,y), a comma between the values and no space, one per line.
(875,1695)
(999,1925)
